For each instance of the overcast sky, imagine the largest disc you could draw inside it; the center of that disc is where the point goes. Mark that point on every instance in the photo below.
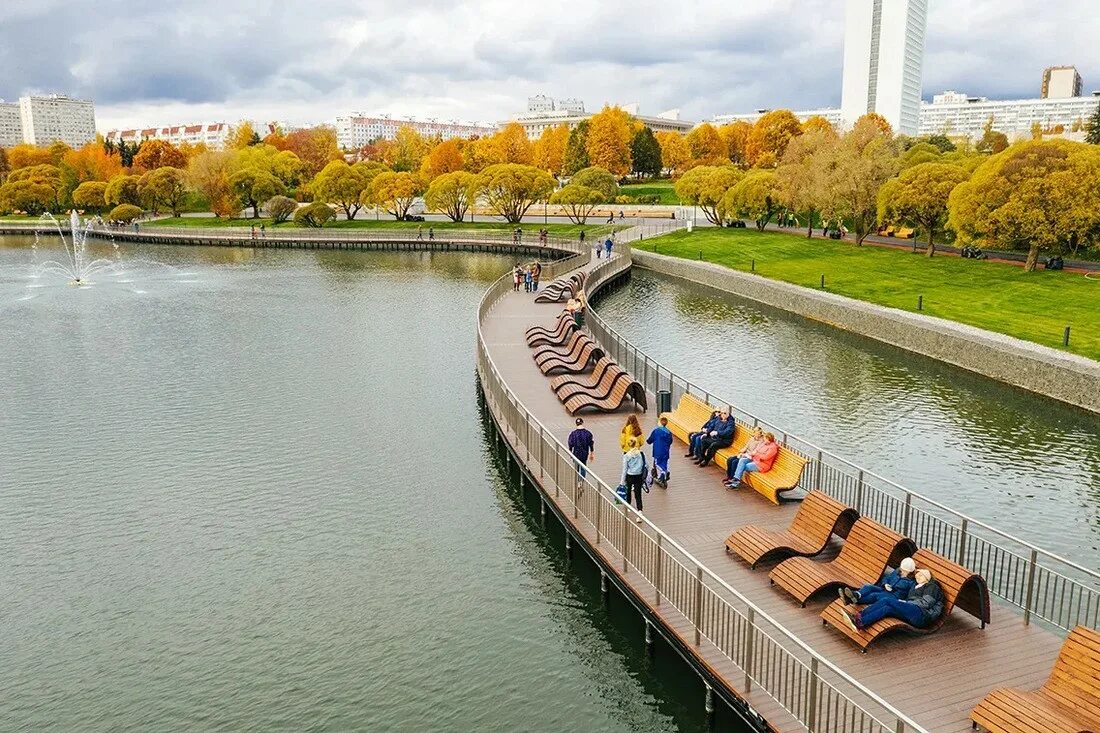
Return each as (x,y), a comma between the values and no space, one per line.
(153,63)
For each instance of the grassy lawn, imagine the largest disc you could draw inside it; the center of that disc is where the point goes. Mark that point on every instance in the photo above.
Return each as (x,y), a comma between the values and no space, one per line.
(556,229)
(1035,306)
(664,189)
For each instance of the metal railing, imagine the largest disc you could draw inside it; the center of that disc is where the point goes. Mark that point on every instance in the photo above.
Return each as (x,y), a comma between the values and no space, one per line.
(1044,585)
(817,693)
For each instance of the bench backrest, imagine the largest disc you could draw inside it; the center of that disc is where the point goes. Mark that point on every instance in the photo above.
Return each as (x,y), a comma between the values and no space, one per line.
(1075,680)
(818,515)
(787,469)
(693,411)
(613,372)
(961,588)
(870,547)
(601,367)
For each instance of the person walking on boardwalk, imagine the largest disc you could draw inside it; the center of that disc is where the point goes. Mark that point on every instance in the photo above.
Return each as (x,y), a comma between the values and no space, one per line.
(517,277)
(695,438)
(633,477)
(632,430)
(528,275)
(607,246)
(661,440)
(582,236)
(536,273)
(583,447)
(431,234)
(419,232)
(760,461)
(720,436)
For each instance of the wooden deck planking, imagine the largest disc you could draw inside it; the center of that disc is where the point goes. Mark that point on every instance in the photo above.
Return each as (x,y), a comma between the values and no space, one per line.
(936,680)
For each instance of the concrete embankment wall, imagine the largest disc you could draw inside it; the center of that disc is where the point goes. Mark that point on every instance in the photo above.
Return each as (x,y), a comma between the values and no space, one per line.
(1040,369)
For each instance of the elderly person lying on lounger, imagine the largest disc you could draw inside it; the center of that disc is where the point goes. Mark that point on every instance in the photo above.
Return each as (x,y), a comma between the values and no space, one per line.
(923,606)
(896,583)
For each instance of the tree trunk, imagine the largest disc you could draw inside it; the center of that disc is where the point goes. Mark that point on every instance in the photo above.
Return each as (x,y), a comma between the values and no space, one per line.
(1032,258)
(931,250)
(760,224)
(255,209)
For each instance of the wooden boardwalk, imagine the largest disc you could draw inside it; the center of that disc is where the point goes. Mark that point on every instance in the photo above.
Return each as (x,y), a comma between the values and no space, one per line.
(935,680)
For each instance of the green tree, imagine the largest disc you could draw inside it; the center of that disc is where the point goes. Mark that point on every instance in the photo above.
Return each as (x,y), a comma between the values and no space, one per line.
(1040,194)
(342,184)
(124,213)
(598,179)
(281,208)
(578,201)
(450,193)
(1093,127)
(395,191)
(801,177)
(90,196)
(919,197)
(164,186)
(34,189)
(942,142)
(705,186)
(123,189)
(315,215)
(858,165)
(254,186)
(754,196)
(645,153)
(511,189)
(576,150)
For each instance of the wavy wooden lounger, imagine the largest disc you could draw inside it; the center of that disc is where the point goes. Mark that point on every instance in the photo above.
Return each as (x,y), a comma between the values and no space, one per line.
(565,349)
(571,355)
(1068,702)
(549,330)
(961,588)
(600,391)
(563,334)
(561,289)
(584,380)
(818,518)
(590,352)
(870,547)
(623,389)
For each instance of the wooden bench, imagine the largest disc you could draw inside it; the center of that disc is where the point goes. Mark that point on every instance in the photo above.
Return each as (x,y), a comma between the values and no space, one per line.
(601,390)
(819,517)
(584,380)
(569,347)
(557,338)
(535,331)
(870,547)
(623,388)
(961,588)
(561,289)
(1068,702)
(589,353)
(904,233)
(690,415)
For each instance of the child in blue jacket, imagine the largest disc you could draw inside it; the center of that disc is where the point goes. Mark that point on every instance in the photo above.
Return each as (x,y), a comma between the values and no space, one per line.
(661,440)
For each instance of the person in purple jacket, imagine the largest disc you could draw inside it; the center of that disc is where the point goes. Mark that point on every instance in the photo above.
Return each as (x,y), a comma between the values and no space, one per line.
(582,446)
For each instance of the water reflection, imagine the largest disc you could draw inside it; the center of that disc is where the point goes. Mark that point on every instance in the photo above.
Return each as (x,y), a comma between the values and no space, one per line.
(1026,464)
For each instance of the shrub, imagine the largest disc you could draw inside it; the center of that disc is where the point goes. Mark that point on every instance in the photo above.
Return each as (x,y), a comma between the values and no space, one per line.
(315,215)
(124,213)
(648,198)
(281,208)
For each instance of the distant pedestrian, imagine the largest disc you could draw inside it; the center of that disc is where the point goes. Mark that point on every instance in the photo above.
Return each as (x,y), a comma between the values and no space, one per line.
(431,234)
(621,215)
(263,231)
(661,440)
(253,231)
(607,247)
(611,217)
(582,235)
(419,232)
(517,277)
(582,446)
(536,273)
(528,275)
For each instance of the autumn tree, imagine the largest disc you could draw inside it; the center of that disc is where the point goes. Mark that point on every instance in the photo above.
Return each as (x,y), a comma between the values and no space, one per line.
(5,166)
(89,196)
(24,156)
(675,154)
(608,144)
(451,194)
(124,213)
(313,147)
(736,137)
(409,149)
(578,201)
(165,186)
(285,165)
(918,197)
(707,146)
(315,215)
(705,186)
(394,191)
(241,136)
(511,145)
(342,184)
(1040,194)
(281,208)
(549,149)
(645,153)
(918,154)
(880,122)
(858,165)
(92,163)
(208,173)
(598,179)
(444,157)
(770,136)
(992,141)
(754,196)
(817,122)
(34,189)
(511,189)
(253,186)
(123,189)
(575,157)
(802,175)
(158,154)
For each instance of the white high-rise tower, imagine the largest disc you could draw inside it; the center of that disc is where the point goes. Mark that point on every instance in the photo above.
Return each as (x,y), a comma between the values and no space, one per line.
(883,60)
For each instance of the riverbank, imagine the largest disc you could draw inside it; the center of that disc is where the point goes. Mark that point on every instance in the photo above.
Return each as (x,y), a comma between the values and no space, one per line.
(210,222)
(998,297)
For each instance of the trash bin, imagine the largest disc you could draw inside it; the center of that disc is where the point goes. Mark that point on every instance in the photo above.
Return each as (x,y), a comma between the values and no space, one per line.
(664,401)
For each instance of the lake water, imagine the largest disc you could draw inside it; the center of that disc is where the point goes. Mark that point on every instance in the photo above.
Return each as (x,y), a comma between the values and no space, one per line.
(1025,464)
(251,491)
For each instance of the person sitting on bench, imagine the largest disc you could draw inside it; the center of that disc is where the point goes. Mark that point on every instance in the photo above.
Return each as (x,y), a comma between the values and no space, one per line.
(755,442)
(720,436)
(896,583)
(760,461)
(923,606)
(694,438)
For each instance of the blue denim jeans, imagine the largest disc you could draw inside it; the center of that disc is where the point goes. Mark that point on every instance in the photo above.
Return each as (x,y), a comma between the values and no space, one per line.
(743,465)
(891,607)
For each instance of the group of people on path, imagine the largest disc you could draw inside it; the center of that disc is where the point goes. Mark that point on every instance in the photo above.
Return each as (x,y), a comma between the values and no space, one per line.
(527,276)
(907,593)
(420,233)
(605,249)
(758,455)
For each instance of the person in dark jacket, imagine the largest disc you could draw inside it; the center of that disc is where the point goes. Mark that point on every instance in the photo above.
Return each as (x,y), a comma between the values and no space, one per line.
(694,438)
(720,436)
(661,440)
(923,606)
(582,446)
(896,583)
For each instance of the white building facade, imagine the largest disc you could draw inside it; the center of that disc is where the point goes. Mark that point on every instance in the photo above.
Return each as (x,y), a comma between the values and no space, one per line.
(883,61)
(355,131)
(211,134)
(53,118)
(952,113)
(11,124)
(830,114)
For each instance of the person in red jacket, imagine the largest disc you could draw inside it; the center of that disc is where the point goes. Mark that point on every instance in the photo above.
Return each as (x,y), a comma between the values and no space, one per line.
(760,461)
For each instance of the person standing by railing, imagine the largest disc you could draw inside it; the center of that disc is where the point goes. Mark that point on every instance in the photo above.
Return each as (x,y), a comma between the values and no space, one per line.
(536,273)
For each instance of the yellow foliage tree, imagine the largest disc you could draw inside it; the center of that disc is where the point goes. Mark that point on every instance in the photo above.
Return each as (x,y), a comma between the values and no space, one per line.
(817,122)
(510,145)
(549,151)
(450,193)
(394,191)
(919,197)
(705,186)
(241,136)
(675,154)
(609,136)
(736,137)
(881,122)
(445,157)
(770,136)
(707,146)
(511,189)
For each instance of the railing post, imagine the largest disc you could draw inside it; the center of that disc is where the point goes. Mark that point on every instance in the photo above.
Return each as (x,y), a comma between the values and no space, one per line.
(817,472)
(899,726)
(908,509)
(626,542)
(1030,586)
(962,542)
(657,574)
(811,704)
(749,643)
(698,601)
(599,511)
(859,493)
